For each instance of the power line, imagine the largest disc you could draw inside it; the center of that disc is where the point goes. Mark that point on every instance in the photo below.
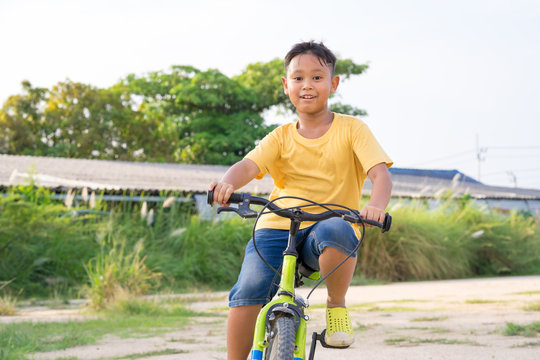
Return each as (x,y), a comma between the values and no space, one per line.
(521,156)
(468,152)
(513,147)
(516,171)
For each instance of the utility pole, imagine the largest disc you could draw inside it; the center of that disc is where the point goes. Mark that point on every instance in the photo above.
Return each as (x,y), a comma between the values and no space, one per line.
(513,177)
(479,157)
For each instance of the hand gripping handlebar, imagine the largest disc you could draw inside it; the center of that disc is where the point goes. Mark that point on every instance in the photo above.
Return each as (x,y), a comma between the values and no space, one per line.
(244,200)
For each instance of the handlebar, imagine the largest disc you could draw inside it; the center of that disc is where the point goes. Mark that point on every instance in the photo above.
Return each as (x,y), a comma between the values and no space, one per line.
(244,200)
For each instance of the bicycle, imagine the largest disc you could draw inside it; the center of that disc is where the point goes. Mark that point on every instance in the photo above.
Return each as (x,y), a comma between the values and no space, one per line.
(281,327)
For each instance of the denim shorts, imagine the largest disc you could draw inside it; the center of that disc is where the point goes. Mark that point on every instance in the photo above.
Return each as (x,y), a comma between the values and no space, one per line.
(257,283)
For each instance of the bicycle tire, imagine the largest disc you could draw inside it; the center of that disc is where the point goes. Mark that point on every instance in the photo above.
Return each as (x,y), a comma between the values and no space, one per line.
(282,344)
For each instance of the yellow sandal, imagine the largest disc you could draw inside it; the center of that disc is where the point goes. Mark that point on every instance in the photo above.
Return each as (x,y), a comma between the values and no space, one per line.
(339,331)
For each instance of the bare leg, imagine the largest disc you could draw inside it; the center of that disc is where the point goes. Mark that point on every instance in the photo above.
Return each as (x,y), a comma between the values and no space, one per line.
(240,328)
(338,283)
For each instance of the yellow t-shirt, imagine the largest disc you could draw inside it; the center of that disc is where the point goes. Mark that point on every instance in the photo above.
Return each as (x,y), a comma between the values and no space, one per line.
(329,169)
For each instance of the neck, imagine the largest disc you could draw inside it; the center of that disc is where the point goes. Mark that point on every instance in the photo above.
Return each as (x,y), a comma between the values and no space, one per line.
(315,120)
(312,126)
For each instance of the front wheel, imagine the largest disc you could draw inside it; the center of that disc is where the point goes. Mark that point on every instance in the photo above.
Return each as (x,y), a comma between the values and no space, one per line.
(282,341)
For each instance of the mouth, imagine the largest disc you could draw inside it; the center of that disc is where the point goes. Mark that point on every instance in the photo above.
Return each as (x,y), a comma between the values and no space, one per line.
(307,97)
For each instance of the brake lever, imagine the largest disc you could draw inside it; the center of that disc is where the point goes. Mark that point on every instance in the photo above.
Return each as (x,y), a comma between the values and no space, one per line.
(243,210)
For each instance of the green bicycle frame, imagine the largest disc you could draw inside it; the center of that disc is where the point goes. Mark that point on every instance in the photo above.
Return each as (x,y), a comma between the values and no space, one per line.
(285,297)
(286,288)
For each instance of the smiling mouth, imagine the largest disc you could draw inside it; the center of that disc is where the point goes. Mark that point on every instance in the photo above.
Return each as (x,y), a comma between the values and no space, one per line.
(307,97)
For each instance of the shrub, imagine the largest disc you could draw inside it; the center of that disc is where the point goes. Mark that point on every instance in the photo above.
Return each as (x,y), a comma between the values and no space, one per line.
(117,272)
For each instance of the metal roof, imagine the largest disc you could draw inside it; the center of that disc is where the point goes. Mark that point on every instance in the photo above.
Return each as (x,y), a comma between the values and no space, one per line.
(117,176)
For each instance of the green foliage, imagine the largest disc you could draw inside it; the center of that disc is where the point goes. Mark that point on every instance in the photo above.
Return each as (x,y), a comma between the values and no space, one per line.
(45,253)
(41,249)
(530,330)
(69,120)
(208,118)
(181,115)
(205,253)
(116,273)
(455,239)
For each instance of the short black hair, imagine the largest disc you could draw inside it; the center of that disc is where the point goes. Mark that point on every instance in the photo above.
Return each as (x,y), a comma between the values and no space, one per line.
(325,56)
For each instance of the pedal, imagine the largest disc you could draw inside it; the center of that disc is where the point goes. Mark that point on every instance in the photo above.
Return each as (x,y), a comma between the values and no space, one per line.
(324,344)
(320,337)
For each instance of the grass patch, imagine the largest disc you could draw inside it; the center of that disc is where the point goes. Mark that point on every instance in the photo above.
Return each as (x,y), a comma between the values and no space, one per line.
(185,341)
(219,309)
(376,306)
(527,344)
(434,330)
(392,309)
(360,280)
(530,330)
(481,301)
(136,320)
(413,341)
(533,307)
(358,327)
(429,318)
(531,292)
(152,353)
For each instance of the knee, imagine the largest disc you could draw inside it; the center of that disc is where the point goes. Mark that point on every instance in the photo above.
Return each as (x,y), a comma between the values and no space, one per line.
(337,233)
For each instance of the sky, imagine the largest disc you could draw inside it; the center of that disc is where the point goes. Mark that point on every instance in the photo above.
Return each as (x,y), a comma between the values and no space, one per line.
(450,85)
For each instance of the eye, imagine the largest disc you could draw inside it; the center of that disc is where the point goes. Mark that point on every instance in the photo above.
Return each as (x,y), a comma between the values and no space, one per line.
(297,78)
(317,77)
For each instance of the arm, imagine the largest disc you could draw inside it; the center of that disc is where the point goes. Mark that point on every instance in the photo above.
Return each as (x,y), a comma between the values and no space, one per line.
(380,193)
(237,176)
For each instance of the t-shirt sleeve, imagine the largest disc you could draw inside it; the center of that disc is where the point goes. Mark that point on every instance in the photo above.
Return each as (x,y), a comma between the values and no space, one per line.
(265,153)
(367,149)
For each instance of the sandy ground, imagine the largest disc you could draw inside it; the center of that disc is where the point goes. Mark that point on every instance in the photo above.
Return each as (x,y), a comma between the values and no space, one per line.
(456,319)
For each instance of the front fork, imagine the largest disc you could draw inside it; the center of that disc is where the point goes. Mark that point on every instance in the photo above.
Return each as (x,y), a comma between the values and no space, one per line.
(286,302)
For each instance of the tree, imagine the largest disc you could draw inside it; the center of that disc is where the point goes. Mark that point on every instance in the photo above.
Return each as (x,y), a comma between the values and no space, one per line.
(70,120)
(84,121)
(21,122)
(210,118)
(181,115)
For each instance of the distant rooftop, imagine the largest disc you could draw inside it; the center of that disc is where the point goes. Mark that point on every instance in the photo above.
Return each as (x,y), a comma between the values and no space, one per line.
(117,176)
(435,174)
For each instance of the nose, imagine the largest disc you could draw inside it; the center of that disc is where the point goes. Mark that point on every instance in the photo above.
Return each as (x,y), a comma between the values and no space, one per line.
(306,84)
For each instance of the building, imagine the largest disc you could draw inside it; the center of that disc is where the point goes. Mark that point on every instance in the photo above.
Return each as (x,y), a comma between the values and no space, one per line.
(117,177)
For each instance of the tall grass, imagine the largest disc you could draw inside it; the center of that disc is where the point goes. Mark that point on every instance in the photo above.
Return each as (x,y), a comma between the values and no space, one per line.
(46,250)
(41,246)
(455,239)
(117,272)
(8,301)
(205,253)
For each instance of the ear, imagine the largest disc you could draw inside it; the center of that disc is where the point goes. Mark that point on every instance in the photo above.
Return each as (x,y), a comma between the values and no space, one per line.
(285,87)
(335,83)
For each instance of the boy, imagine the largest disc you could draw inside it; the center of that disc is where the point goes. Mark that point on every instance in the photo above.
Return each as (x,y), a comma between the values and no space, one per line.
(323,157)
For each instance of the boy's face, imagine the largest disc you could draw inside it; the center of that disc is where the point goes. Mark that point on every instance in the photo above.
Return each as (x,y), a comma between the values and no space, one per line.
(309,84)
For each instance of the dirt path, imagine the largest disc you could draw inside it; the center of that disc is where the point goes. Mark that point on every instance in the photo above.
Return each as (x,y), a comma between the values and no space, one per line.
(457,319)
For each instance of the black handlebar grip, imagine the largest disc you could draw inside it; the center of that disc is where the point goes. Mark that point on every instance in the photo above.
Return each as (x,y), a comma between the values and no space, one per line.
(387,223)
(210,197)
(235,198)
